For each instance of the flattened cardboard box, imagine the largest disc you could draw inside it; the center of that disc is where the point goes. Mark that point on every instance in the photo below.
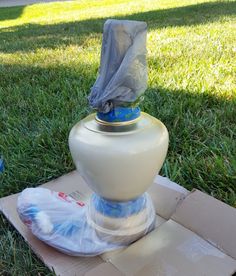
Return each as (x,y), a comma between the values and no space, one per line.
(195,235)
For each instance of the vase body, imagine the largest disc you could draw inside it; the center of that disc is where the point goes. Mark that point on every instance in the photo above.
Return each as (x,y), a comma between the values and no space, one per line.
(119,163)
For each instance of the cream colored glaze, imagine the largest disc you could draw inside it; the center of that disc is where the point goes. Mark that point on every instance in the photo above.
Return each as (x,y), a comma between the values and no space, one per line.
(119,165)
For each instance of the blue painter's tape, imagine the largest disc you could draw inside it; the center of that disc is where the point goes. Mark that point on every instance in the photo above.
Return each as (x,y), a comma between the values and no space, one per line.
(31,212)
(1,165)
(120,114)
(117,209)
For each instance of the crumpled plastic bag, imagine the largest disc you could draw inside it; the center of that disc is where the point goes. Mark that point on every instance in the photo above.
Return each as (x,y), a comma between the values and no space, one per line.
(77,228)
(123,70)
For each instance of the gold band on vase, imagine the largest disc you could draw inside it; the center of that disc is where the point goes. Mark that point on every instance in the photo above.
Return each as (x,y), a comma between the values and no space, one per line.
(105,123)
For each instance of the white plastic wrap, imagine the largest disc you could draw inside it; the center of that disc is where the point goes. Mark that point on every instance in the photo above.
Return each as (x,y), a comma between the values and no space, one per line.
(80,229)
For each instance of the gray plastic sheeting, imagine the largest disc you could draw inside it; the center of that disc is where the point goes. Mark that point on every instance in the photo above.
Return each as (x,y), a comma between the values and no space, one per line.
(123,71)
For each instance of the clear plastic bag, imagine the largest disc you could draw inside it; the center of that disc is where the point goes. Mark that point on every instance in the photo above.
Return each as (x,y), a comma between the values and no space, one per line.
(123,70)
(84,229)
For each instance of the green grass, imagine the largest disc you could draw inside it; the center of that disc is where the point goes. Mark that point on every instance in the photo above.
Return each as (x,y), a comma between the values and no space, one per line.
(49,58)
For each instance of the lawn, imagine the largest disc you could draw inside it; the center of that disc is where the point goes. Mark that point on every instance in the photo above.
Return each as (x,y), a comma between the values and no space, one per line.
(49,59)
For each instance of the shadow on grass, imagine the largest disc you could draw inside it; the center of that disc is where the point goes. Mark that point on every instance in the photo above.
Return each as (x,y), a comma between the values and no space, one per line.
(40,105)
(32,36)
(10,13)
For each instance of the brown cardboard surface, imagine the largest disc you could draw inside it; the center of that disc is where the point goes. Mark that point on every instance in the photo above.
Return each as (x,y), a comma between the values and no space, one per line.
(162,252)
(210,218)
(173,250)
(166,195)
(104,269)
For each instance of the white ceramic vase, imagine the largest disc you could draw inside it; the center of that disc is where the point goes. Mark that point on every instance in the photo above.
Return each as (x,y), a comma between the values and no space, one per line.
(119,161)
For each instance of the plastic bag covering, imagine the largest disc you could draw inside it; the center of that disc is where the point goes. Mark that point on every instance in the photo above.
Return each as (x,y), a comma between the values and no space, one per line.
(84,229)
(123,71)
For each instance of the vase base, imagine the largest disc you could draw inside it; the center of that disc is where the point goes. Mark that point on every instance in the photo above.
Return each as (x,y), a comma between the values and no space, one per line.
(121,222)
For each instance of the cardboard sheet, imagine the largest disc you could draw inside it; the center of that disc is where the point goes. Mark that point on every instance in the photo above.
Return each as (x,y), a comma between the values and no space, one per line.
(170,250)
(74,185)
(211,219)
(173,250)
